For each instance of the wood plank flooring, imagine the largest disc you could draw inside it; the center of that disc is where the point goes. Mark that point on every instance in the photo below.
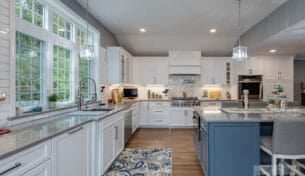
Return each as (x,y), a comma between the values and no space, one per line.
(185,162)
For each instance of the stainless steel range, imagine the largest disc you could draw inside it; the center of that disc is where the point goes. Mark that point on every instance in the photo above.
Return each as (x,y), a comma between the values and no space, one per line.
(184,101)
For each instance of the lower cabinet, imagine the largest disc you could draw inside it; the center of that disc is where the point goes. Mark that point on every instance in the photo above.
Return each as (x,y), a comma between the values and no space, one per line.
(112,139)
(181,117)
(155,114)
(34,161)
(42,170)
(71,153)
(229,149)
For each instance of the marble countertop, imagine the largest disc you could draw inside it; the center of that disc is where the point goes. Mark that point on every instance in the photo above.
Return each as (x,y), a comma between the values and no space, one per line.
(219,115)
(31,133)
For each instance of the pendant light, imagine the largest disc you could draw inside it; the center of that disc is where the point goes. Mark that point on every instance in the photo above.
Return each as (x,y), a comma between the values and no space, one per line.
(87,50)
(240,52)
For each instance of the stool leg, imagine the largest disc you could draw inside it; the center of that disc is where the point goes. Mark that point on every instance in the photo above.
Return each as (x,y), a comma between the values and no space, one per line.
(282,167)
(274,164)
(293,163)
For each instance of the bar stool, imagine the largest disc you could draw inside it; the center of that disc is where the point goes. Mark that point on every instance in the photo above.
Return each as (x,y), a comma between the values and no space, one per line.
(286,143)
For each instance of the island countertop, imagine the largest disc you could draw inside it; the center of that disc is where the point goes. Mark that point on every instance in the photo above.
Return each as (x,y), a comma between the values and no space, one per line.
(255,115)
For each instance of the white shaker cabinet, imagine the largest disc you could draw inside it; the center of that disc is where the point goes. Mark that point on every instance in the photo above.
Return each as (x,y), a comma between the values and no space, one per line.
(119,65)
(71,153)
(41,170)
(144,113)
(150,70)
(214,70)
(112,142)
(181,117)
(30,162)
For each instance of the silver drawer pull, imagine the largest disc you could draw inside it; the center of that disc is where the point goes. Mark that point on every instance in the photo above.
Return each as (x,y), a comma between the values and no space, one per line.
(75,130)
(18,164)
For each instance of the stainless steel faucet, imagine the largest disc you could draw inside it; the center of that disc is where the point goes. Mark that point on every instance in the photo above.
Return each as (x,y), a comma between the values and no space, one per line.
(81,98)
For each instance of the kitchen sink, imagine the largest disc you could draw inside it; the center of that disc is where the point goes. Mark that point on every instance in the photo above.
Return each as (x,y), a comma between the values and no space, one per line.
(98,109)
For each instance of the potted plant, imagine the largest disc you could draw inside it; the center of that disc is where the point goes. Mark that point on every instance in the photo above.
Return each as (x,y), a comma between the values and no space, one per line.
(272,103)
(280,89)
(52,100)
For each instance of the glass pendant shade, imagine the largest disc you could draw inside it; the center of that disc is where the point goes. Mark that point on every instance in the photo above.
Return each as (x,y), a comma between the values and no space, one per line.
(87,52)
(240,53)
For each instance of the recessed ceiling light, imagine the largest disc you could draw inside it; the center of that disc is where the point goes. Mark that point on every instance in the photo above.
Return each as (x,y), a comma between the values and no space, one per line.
(273,51)
(142,30)
(212,30)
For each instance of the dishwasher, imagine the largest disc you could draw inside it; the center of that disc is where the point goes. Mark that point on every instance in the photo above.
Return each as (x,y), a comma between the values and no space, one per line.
(128,125)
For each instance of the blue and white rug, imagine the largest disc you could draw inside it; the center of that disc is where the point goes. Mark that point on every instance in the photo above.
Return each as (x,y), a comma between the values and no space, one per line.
(142,162)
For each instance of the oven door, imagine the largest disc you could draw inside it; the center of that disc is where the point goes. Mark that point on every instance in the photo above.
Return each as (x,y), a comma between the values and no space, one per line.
(196,122)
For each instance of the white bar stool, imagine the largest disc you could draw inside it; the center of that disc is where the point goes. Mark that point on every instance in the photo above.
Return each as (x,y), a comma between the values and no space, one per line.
(287,143)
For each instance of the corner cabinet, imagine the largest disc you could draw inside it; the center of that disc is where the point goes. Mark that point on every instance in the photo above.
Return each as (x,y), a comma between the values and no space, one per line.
(150,70)
(71,153)
(119,65)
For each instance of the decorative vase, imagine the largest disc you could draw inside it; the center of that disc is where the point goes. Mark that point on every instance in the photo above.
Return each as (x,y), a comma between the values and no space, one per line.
(52,105)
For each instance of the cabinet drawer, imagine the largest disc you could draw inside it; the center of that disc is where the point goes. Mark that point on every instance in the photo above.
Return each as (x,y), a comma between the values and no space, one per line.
(108,121)
(26,160)
(159,103)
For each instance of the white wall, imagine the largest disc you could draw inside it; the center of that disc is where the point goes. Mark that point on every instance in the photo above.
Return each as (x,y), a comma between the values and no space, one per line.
(5,76)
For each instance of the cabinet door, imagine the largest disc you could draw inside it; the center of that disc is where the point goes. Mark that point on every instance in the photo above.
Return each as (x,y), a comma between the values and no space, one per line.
(144,71)
(41,170)
(189,118)
(118,137)
(108,147)
(207,72)
(161,71)
(144,113)
(70,153)
(178,118)
(220,71)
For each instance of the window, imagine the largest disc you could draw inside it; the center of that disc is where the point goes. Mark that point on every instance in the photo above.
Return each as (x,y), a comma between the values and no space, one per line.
(85,64)
(31,11)
(61,26)
(35,80)
(29,56)
(62,73)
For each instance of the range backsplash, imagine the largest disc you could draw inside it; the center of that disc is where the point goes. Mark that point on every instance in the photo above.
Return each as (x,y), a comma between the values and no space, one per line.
(190,84)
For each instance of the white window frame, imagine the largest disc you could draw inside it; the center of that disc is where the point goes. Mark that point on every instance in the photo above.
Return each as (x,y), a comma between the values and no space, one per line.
(50,39)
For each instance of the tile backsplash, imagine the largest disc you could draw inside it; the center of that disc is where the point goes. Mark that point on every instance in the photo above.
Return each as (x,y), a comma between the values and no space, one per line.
(190,84)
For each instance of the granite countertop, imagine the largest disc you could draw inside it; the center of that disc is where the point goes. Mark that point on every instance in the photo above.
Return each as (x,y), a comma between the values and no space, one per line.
(221,115)
(31,133)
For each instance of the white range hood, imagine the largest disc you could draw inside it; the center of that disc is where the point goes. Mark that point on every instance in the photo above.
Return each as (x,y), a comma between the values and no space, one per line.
(184,62)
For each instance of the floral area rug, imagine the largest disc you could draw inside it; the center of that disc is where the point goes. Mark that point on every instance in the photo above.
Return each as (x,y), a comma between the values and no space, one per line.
(142,162)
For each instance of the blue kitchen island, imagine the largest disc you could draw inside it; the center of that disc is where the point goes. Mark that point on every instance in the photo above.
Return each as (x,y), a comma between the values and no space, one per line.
(227,141)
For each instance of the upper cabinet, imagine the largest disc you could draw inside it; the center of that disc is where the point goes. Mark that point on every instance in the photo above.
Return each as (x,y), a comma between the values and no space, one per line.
(216,70)
(184,62)
(150,70)
(278,68)
(119,65)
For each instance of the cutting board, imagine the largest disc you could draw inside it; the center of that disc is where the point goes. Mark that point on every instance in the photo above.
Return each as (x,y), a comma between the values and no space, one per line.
(215,94)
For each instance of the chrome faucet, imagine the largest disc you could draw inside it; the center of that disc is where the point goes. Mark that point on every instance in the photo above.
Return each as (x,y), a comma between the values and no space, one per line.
(81,98)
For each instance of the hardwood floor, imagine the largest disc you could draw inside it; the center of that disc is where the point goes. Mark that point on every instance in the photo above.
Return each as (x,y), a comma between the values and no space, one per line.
(185,162)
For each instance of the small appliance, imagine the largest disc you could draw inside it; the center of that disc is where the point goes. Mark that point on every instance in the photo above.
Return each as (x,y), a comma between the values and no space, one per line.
(130,93)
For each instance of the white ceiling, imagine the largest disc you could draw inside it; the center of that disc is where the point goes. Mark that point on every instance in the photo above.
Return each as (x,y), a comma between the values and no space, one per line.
(179,24)
(290,41)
